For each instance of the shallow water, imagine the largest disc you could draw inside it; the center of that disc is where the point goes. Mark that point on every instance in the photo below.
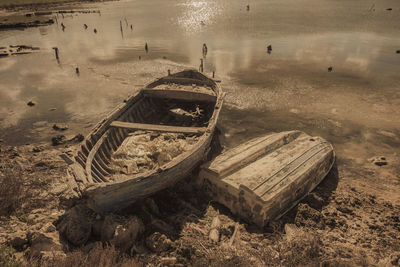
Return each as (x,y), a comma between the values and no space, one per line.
(290,88)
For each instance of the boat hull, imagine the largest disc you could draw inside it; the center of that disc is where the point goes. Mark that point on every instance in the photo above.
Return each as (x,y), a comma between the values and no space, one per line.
(94,173)
(264,178)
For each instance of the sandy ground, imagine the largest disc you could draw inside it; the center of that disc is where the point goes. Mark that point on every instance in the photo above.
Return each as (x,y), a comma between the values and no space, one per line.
(351,219)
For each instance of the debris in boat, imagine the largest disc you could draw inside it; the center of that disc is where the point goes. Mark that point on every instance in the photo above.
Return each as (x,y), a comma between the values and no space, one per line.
(146,47)
(31,103)
(158,242)
(60,126)
(214,230)
(330,69)
(142,151)
(265,177)
(379,161)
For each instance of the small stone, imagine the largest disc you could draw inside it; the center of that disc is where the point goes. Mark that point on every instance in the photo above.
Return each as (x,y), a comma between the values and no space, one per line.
(18,240)
(60,126)
(168,261)
(58,140)
(158,242)
(37,149)
(76,225)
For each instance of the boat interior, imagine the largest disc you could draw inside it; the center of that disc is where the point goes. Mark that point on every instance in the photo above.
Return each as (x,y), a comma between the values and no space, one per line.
(150,113)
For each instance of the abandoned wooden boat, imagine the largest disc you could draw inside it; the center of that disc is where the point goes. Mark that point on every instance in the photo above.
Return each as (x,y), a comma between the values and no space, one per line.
(265,177)
(149,142)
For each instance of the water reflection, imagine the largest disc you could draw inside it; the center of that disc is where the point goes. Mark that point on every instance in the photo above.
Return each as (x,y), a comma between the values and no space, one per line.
(293,78)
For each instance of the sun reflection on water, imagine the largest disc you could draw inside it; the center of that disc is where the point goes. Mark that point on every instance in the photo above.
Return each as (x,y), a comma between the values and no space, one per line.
(197,15)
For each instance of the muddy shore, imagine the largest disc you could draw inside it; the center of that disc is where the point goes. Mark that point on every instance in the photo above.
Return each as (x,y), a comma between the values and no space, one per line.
(346,221)
(351,219)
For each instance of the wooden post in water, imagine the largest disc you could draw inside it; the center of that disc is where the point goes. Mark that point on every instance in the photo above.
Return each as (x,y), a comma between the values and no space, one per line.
(56,51)
(201,65)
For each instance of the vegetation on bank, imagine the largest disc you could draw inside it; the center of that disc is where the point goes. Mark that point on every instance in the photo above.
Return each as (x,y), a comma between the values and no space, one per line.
(15,3)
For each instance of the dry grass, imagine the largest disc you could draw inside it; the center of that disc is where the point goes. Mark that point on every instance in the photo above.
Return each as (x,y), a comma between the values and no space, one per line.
(6,257)
(97,257)
(303,250)
(12,192)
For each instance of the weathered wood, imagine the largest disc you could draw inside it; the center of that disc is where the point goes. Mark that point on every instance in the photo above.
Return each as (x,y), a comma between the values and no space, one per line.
(285,167)
(242,155)
(180,95)
(158,128)
(115,190)
(186,81)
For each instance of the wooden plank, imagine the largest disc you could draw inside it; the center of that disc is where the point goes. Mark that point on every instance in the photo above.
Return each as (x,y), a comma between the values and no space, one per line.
(180,95)
(243,154)
(179,80)
(158,128)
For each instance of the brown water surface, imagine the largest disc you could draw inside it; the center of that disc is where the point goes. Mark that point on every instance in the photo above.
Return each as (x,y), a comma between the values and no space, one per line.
(289,88)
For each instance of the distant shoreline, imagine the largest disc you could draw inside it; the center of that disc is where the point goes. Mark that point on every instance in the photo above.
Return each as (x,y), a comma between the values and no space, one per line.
(10,5)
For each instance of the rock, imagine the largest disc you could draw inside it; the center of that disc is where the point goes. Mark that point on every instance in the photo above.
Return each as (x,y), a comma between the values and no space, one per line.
(40,243)
(60,126)
(58,140)
(214,235)
(151,206)
(18,240)
(168,261)
(162,227)
(76,225)
(379,161)
(77,138)
(158,242)
(292,232)
(307,216)
(37,149)
(126,235)
(314,201)
(390,261)
(31,103)
(214,232)
(107,227)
